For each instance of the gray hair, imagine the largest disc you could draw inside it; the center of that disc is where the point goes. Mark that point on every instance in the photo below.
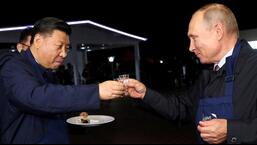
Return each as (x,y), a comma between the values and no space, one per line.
(220,13)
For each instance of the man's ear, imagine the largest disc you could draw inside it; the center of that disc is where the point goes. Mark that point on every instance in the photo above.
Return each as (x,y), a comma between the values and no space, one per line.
(38,40)
(219,29)
(19,47)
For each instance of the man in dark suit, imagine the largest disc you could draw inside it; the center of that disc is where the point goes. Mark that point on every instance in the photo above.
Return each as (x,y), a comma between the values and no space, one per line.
(223,101)
(32,104)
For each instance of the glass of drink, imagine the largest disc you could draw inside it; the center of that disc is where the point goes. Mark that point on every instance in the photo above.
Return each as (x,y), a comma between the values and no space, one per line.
(124,80)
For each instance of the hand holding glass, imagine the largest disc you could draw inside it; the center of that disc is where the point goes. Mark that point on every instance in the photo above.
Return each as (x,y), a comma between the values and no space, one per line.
(124,79)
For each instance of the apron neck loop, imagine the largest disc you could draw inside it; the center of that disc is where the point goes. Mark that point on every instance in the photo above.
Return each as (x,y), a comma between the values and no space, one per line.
(231,61)
(230,67)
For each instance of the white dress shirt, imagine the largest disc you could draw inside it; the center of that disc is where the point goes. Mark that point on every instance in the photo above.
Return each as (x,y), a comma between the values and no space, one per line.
(223,60)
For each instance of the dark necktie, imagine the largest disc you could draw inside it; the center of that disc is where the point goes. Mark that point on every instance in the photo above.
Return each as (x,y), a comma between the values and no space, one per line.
(216,68)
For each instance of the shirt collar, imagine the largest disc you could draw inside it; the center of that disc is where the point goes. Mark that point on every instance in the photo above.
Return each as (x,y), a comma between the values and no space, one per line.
(32,60)
(223,60)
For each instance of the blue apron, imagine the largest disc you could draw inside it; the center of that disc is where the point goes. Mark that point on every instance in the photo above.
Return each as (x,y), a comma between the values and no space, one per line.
(220,107)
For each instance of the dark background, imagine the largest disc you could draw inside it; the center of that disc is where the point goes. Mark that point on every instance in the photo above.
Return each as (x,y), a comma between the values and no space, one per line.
(163,22)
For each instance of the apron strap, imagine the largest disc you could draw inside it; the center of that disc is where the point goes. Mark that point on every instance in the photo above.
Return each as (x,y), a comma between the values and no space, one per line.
(230,67)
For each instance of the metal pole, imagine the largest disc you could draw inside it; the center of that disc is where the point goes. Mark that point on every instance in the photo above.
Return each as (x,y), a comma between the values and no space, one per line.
(85,62)
(75,68)
(137,62)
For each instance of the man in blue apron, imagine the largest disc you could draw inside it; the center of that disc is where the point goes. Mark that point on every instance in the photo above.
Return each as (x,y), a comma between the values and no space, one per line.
(223,101)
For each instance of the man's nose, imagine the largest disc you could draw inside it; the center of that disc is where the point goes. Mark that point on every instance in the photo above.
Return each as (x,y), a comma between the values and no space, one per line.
(64,53)
(191,47)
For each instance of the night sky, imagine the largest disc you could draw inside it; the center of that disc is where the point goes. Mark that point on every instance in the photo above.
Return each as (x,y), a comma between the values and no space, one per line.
(163,22)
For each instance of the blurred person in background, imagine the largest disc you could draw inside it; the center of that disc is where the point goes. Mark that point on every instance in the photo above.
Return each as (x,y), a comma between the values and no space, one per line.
(24,40)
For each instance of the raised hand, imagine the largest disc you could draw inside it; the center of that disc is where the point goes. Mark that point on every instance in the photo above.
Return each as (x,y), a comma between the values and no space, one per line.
(136,89)
(111,90)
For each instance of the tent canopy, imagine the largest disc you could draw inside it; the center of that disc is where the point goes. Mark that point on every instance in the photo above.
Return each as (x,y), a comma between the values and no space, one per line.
(90,36)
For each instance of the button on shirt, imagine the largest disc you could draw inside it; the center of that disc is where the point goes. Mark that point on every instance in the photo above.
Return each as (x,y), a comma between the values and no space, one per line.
(233,140)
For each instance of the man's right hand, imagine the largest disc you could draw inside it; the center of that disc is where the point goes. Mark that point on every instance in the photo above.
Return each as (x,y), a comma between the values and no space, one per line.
(110,90)
(136,89)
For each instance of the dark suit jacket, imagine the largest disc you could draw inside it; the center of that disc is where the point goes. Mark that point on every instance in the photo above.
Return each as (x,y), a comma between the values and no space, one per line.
(243,129)
(26,100)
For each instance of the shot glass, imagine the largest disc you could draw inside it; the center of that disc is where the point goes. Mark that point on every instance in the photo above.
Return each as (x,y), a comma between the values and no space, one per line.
(124,80)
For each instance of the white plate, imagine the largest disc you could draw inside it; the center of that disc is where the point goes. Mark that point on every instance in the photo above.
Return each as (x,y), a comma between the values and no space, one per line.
(94,120)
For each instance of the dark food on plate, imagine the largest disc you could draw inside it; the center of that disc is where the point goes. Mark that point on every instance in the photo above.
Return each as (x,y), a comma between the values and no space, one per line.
(84,118)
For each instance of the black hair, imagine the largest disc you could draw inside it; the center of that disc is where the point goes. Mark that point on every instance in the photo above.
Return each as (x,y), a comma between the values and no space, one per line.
(48,24)
(24,34)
